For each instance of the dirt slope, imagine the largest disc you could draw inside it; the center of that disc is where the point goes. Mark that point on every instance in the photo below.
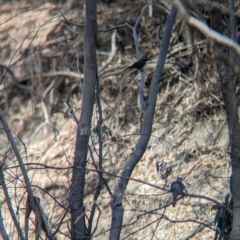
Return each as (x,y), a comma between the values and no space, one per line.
(189,136)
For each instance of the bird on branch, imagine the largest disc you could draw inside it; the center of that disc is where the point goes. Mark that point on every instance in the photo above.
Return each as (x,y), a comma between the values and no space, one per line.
(177,188)
(139,65)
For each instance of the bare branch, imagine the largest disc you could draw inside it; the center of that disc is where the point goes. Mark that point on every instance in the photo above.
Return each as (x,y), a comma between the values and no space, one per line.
(112,28)
(196,230)
(62,14)
(3,232)
(202,27)
(2,181)
(19,158)
(134,31)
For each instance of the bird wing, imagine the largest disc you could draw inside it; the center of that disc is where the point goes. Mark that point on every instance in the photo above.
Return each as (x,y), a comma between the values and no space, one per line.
(177,186)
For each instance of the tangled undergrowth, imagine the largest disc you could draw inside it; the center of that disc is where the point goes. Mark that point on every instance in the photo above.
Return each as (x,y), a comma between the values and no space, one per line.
(43,45)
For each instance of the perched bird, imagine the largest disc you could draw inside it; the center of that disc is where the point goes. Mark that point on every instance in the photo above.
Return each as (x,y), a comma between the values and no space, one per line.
(177,188)
(140,64)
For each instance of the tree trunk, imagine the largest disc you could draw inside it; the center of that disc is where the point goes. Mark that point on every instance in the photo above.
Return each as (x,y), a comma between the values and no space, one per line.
(76,204)
(228,88)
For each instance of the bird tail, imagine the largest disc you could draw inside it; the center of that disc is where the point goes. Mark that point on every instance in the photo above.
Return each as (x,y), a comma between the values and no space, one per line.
(126,69)
(174,198)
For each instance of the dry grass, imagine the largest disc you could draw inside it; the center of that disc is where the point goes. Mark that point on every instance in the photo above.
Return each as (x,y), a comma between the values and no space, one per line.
(189,130)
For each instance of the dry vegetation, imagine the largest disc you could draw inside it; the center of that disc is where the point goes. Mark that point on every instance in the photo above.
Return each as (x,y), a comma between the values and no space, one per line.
(189,130)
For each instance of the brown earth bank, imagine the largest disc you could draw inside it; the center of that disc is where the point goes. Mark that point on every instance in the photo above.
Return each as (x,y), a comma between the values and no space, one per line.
(42,43)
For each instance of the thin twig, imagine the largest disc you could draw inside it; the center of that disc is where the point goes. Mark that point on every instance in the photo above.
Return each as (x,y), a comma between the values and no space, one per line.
(100,157)
(112,54)
(60,222)
(136,180)
(10,208)
(71,110)
(134,31)
(27,89)
(19,158)
(62,14)
(112,28)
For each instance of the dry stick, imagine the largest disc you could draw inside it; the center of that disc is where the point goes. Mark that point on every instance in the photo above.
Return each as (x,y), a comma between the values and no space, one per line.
(62,14)
(27,89)
(210,199)
(134,31)
(162,216)
(141,228)
(196,230)
(66,210)
(23,55)
(58,73)
(159,220)
(202,27)
(2,181)
(28,47)
(20,161)
(60,222)
(112,28)
(112,54)
(18,49)
(42,222)
(95,165)
(71,110)
(23,169)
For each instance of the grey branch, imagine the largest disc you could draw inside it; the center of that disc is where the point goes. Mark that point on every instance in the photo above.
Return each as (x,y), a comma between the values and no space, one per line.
(177,188)
(3,232)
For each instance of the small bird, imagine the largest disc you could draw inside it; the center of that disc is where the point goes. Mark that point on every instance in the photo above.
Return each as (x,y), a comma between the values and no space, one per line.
(140,64)
(177,188)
